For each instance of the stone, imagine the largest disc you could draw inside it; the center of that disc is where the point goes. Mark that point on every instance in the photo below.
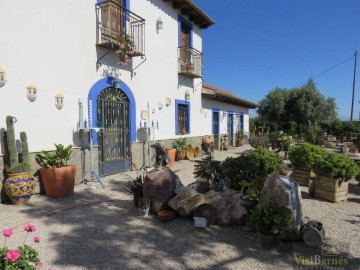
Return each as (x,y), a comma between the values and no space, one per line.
(229,210)
(286,192)
(201,186)
(159,186)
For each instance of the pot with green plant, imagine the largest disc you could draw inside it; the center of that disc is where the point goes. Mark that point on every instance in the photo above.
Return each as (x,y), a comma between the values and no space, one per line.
(57,176)
(302,158)
(239,135)
(180,145)
(271,220)
(19,184)
(209,169)
(144,206)
(333,171)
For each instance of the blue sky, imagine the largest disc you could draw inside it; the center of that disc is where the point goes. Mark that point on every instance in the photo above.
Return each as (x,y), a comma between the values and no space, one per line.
(257,45)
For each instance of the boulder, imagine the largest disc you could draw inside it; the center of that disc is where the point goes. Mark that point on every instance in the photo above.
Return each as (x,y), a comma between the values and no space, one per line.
(286,192)
(159,186)
(229,210)
(201,186)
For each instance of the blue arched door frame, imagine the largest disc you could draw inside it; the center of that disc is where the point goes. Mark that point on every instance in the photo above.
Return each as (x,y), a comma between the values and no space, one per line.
(95,90)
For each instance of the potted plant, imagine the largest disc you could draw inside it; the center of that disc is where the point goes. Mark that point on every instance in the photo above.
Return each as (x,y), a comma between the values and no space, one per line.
(180,145)
(239,137)
(126,50)
(271,220)
(19,185)
(302,158)
(332,173)
(144,206)
(58,177)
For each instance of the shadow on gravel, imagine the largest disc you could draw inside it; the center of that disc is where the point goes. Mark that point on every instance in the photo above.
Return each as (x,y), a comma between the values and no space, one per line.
(107,233)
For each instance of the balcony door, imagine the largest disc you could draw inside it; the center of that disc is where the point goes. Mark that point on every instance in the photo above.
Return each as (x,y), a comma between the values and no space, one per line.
(185,44)
(113,20)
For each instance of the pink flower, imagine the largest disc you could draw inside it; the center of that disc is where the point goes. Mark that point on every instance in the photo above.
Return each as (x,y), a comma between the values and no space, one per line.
(30,228)
(52,268)
(40,264)
(36,239)
(8,233)
(122,46)
(13,255)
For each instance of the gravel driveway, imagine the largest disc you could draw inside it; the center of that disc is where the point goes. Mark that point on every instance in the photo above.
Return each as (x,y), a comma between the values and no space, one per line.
(101,229)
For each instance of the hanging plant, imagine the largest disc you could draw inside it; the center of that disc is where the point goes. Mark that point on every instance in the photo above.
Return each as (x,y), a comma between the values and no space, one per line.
(126,50)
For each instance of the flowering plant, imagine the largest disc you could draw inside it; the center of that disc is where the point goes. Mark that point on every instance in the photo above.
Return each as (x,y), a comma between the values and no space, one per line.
(23,257)
(126,50)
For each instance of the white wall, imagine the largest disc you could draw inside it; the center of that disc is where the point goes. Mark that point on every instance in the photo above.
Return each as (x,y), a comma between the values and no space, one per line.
(53,45)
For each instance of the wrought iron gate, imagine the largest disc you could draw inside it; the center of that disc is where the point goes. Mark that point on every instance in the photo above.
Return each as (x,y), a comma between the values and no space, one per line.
(114,139)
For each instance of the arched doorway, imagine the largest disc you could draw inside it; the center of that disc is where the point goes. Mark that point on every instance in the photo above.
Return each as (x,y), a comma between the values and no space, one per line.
(113,112)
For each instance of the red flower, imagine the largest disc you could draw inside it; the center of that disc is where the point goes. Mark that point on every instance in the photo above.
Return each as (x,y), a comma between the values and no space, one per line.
(30,228)
(8,233)
(36,239)
(13,255)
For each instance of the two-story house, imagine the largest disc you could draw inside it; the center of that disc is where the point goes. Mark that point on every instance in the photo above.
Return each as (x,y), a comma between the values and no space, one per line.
(116,66)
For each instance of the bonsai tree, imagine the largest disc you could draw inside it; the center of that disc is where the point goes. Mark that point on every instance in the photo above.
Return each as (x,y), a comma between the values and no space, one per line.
(14,165)
(270,218)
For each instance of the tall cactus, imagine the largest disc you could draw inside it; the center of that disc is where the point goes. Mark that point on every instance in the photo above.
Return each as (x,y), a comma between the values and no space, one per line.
(15,166)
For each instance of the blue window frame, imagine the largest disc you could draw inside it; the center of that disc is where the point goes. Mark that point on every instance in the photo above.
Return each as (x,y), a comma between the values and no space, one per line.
(182,116)
(215,121)
(241,120)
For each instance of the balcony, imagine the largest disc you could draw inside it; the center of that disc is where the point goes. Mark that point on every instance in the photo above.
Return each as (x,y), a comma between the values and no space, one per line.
(115,22)
(190,62)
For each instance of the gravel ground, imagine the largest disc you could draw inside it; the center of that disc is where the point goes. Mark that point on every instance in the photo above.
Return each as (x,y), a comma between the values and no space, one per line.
(101,229)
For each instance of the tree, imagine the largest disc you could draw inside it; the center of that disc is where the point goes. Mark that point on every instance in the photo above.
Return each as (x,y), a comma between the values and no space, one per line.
(271,110)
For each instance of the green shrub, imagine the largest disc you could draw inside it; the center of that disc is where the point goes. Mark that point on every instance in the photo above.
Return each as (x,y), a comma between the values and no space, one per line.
(305,155)
(252,167)
(54,160)
(336,166)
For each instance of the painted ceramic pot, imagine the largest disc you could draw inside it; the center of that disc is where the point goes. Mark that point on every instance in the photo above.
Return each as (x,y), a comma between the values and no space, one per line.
(19,187)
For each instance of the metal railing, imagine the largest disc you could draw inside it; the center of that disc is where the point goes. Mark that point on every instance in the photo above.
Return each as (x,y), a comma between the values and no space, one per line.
(190,62)
(115,23)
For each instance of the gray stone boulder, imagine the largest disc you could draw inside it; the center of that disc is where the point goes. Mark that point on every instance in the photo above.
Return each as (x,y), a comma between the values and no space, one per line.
(229,210)
(159,186)
(200,185)
(286,192)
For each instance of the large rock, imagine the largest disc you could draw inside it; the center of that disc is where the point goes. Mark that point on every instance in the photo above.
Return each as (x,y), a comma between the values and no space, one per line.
(159,186)
(286,192)
(201,185)
(229,211)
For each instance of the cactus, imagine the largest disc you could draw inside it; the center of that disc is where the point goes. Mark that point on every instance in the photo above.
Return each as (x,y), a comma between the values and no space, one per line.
(15,166)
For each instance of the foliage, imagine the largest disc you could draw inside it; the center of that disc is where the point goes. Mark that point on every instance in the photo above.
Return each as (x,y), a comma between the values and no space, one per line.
(259,140)
(126,50)
(297,105)
(270,218)
(14,166)
(314,134)
(144,202)
(305,155)
(243,170)
(251,190)
(336,166)
(180,143)
(135,186)
(208,168)
(54,160)
(23,257)
(239,134)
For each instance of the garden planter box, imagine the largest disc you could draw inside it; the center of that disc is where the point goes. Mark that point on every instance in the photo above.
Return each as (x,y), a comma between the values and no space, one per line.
(330,189)
(302,176)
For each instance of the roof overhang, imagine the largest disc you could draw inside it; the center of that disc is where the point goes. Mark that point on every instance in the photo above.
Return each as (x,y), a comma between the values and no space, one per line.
(217,94)
(195,13)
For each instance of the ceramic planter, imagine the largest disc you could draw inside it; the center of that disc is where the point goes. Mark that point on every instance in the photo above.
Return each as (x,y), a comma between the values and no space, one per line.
(19,187)
(180,154)
(171,153)
(58,182)
(144,212)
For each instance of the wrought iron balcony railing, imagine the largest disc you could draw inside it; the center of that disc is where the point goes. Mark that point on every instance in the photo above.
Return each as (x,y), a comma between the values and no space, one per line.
(114,23)
(190,62)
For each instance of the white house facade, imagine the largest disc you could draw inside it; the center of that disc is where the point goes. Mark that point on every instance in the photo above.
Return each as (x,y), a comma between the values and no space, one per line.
(64,75)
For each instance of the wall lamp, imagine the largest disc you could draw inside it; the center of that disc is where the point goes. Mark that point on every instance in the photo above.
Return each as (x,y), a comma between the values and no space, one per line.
(2,77)
(31,92)
(159,25)
(187,95)
(59,101)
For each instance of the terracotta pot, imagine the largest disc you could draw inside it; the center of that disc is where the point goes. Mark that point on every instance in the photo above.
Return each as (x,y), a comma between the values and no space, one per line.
(58,182)
(197,151)
(19,187)
(239,142)
(171,153)
(181,154)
